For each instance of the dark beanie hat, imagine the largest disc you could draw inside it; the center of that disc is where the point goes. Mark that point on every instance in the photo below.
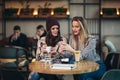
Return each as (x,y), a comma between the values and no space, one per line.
(51,21)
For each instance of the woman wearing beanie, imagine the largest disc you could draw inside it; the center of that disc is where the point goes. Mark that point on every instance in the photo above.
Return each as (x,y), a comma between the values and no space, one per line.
(52,39)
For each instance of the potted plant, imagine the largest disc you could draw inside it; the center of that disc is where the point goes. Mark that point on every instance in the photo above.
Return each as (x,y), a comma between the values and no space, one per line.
(45,9)
(26,4)
(109,11)
(60,10)
(11,12)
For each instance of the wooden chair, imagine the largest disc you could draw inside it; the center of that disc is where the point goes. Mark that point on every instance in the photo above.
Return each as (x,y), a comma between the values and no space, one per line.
(13,58)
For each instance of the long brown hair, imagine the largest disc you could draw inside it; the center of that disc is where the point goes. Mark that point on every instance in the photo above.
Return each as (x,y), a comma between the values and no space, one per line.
(84,34)
(53,40)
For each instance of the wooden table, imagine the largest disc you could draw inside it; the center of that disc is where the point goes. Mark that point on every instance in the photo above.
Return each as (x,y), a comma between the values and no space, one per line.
(82,67)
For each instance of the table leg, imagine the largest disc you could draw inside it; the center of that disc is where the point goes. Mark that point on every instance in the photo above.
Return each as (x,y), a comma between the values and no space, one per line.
(51,77)
(76,77)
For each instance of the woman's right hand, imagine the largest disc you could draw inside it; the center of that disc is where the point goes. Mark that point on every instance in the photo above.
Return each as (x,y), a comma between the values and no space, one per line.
(43,48)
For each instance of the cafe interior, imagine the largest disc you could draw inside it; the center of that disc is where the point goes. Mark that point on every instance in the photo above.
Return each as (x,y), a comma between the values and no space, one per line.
(103,22)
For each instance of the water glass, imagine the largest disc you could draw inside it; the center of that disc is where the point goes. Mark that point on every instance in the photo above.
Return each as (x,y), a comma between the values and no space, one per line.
(47,57)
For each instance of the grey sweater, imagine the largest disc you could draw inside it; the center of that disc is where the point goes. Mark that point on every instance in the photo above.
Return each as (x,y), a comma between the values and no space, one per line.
(89,52)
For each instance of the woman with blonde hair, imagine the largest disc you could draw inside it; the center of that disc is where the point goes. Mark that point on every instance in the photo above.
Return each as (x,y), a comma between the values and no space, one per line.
(86,44)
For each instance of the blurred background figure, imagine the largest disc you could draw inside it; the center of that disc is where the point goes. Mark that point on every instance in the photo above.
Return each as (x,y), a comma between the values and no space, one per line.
(18,38)
(40,32)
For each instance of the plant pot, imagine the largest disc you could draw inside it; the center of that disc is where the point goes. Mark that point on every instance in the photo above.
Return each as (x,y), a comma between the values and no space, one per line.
(11,12)
(45,11)
(109,11)
(26,12)
(60,11)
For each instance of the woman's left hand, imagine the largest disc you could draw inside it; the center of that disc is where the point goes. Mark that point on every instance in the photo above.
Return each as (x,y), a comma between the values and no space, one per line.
(61,46)
(67,47)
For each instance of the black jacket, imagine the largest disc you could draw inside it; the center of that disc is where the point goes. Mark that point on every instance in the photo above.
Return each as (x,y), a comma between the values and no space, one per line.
(21,41)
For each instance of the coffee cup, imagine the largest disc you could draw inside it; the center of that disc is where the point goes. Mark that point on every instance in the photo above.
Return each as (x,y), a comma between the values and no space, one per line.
(77,56)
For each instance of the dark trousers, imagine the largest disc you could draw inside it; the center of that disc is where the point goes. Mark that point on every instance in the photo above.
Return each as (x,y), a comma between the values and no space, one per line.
(96,75)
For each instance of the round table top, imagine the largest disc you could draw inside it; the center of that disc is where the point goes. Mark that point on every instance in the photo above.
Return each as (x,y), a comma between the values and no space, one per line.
(82,67)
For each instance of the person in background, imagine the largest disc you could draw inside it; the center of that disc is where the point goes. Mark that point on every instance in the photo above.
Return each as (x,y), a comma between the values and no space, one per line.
(40,32)
(53,38)
(86,44)
(18,38)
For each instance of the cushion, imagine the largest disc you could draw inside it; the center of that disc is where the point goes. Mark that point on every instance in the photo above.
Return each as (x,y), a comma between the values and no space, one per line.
(8,65)
(110,45)
(22,63)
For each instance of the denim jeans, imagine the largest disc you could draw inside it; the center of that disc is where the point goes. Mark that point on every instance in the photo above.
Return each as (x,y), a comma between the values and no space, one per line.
(33,76)
(96,75)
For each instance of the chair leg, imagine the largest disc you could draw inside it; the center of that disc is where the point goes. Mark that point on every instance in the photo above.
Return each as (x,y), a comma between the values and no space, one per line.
(25,74)
(1,76)
(60,77)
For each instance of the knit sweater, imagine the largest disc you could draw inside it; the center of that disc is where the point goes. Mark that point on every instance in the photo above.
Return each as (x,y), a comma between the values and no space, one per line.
(89,52)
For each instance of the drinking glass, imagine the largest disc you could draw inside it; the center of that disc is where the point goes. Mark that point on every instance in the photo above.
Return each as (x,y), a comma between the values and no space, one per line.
(47,55)
(77,56)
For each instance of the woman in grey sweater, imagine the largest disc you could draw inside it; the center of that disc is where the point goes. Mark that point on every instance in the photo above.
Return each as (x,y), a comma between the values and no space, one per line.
(86,44)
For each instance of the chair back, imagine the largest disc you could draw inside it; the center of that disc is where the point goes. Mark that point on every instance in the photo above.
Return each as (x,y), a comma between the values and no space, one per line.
(8,52)
(13,57)
(113,61)
(113,74)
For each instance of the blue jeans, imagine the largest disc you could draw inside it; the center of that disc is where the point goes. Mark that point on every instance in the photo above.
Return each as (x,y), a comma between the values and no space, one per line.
(96,75)
(34,76)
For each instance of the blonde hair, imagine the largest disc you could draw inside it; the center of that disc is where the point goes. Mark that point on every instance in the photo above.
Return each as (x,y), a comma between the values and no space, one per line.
(84,34)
